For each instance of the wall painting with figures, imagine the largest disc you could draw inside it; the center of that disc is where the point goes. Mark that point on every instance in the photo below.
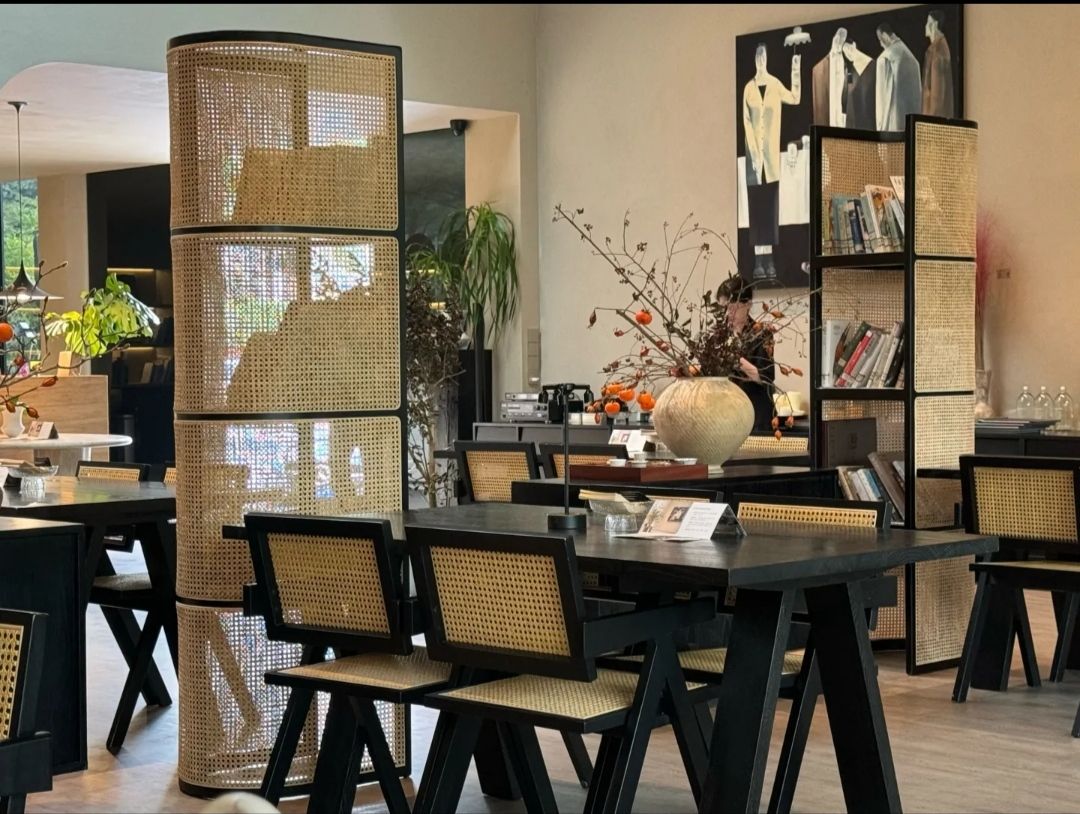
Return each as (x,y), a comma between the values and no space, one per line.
(865,72)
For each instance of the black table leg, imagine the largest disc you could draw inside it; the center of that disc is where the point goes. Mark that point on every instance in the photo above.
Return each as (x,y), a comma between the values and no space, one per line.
(852,698)
(159,550)
(747,702)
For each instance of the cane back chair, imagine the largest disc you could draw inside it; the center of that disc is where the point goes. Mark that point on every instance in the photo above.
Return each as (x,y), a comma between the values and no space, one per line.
(489,467)
(25,755)
(579,455)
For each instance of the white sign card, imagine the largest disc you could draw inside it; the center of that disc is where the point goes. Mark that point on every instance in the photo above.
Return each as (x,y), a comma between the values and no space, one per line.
(683,519)
(633,440)
(42,429)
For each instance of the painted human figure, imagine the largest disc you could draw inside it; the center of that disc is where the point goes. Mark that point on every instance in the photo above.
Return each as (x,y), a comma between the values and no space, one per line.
(937,79)
(862,96)
(899,84)
(829,82)
(795,184)
(763,98)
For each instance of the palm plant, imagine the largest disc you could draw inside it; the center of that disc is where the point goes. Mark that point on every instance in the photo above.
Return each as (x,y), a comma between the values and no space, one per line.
(475,254)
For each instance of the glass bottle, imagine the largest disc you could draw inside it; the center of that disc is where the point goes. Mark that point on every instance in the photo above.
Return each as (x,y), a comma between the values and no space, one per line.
(1044,405)
(1025,404)
(1063,409)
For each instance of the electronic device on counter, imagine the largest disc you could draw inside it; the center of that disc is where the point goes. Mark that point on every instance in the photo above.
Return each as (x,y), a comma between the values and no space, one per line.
(556,399)
(545,406)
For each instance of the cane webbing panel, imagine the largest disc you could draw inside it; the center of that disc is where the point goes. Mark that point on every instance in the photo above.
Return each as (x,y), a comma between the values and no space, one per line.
(889,415)
(318,467)
(10,656)
(714,659)
(946,174)
(809,515)
(328,582)
(108,473)
(779,446)
(500,599)
(382,670)
(944,326)
(575,460)
(612,691)
(944,430)
(944,591)
(847,166)
(1033,504)
(286,323)
(169,478)
(875,296)
(491,473)
(229,715)
(891,620)
(285,134)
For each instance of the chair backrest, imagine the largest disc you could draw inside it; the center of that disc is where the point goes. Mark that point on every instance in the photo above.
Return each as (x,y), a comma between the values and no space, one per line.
(329,581)
(22,646)
(1033,501)
(489,467)
(580,455)
(500,601)
(785,445)
(109,471)
(813,511)
(168,475)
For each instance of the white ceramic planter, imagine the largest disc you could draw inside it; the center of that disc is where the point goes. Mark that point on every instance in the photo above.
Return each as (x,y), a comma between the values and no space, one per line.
(705,418)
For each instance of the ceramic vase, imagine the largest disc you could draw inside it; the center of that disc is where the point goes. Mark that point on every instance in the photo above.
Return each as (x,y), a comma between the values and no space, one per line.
(707,418)
(13,422)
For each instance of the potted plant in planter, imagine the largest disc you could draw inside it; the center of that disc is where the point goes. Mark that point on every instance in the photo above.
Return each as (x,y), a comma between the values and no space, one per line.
(109,316)
(475,255)
(696,347)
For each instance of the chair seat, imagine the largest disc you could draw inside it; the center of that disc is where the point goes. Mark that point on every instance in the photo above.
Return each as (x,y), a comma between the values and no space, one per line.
(1033,565)
(131,591)
(585,706)
(703,663)
(1047,575)
(381,675)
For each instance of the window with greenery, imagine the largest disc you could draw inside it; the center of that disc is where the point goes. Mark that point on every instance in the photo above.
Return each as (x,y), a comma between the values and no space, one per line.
(19,249)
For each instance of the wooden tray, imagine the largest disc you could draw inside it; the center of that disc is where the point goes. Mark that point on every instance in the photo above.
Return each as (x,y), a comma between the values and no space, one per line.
(653,473)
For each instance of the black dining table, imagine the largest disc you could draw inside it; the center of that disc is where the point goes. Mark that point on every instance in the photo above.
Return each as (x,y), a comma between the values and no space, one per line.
(770,566)
(100,505)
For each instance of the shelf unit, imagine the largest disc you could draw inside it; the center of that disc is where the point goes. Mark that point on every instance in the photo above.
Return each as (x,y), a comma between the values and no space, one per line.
(930,285)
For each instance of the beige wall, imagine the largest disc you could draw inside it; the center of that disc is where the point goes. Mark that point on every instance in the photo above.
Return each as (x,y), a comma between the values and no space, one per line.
(62,235)
(636,110)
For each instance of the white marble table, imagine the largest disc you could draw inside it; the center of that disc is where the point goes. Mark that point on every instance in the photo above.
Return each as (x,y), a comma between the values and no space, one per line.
(68,449)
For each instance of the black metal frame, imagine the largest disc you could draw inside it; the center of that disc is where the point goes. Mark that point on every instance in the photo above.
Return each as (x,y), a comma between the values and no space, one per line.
(144,469)
(527,448)
(398,233)
(903,261)
(25,756)
(261,526)
(883,509)
(548,451)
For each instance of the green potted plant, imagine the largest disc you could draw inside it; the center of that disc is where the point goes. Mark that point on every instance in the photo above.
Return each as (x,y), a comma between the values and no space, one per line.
(475,254)
(110,316)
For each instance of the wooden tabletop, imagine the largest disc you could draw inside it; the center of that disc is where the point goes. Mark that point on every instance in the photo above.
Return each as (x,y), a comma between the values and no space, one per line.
(11,527)
(770,554)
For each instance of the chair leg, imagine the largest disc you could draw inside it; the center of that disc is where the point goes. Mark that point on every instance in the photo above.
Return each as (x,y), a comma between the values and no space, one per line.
(1076,724)
(807,690)
(579,757)
(1027,644)
(1066,628)
(979,609)
(15,804)
(136,678)
(337,768)
(599,787)
(125,630)
(381,759)
(524,751)
(288,736)
(447,763)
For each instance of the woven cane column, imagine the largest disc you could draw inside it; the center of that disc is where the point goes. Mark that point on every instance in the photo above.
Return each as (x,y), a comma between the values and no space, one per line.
(287,270)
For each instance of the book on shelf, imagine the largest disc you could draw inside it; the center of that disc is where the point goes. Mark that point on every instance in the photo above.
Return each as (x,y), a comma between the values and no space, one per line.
(847,441)
(868,222)
(869,485)
(884,464)
(897,182)
(861,355)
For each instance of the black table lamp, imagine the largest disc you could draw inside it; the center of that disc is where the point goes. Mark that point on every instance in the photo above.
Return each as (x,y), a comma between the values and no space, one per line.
(566,520)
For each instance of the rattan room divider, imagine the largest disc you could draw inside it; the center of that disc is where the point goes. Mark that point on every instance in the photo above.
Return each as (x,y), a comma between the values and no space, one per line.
(288,275)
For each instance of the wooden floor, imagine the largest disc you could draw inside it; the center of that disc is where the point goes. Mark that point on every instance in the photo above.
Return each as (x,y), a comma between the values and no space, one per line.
(998,752)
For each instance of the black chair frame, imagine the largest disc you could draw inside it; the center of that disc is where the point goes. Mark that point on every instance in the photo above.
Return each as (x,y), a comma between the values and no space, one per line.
(26,755)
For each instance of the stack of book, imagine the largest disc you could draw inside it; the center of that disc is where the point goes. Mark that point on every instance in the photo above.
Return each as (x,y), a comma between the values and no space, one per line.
(868,222)
(883,480)
(857,354)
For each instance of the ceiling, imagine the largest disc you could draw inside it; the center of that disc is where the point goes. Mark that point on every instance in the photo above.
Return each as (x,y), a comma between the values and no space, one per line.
(88,118)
